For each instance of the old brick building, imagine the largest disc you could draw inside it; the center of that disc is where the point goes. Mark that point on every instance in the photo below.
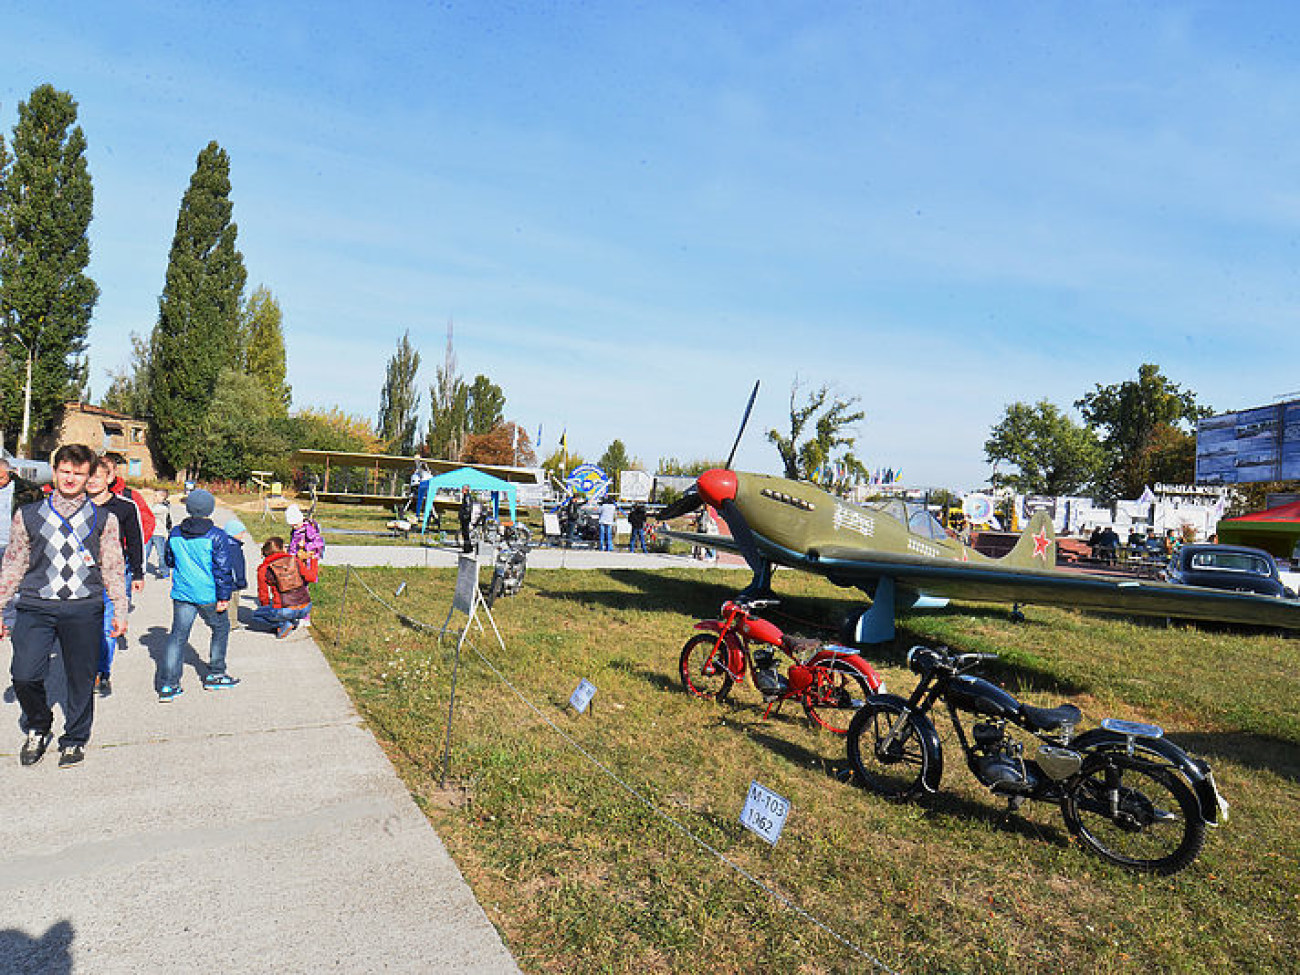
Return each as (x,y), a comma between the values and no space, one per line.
(103,431)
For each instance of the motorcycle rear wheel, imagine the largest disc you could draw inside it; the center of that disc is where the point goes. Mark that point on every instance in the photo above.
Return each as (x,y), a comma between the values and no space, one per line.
(895,770)
(701,670)
(836,694)
(1134,813)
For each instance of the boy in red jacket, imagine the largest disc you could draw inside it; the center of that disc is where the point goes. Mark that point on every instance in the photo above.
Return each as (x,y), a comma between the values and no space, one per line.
(282,594)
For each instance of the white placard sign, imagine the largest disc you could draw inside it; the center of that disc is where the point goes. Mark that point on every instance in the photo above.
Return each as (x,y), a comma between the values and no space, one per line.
(764,813)
(582,695)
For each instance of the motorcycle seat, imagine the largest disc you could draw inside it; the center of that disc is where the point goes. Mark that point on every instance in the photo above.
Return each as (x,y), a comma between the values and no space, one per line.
(796,645)
(1050,719)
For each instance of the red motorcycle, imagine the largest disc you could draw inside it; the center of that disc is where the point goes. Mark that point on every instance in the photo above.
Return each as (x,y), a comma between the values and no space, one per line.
(830,681)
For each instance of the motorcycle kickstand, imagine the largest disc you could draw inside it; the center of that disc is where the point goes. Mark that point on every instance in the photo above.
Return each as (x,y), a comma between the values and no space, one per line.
(1013,808)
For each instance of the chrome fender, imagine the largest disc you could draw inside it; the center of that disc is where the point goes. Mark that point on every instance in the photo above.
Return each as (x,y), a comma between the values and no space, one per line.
(854,661)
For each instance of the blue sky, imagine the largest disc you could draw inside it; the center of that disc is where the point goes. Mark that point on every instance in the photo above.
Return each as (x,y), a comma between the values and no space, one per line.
(631,211)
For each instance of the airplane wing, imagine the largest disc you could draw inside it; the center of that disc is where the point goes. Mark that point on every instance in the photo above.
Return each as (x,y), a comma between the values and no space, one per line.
(1054,587)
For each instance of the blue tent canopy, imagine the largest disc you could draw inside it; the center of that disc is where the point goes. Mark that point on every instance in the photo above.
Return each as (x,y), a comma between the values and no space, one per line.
(474,478)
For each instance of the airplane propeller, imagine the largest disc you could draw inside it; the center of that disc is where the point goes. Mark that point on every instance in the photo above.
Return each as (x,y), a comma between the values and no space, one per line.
(691,499)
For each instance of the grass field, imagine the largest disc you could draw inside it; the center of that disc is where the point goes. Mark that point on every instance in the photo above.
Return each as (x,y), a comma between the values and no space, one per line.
(581,876)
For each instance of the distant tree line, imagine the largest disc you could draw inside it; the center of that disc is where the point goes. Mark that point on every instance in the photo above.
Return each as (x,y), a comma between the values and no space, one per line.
(1134,434)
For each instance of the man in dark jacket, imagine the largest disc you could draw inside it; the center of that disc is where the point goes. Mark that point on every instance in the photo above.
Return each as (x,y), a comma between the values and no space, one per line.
(466,518)
(198,553)
(128,528)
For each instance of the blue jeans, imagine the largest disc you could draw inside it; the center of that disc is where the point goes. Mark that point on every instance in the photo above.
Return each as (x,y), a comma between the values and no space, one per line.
(183,613)
(607,538)
(271,617)
(638,535)
(108,644)
(158,543)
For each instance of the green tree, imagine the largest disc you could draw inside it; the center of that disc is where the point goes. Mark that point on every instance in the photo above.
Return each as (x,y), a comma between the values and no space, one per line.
(694,468)
(46,299)
(559,463)
(198,329)
(485,406)
(128,389)
(448,408)
(239,433)
(614,459)
(1129,416)
(1050,452)
(262,345)
(804,454)
(399,400)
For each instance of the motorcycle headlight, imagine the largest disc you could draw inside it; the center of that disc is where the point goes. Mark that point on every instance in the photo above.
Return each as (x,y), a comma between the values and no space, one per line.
(921,660)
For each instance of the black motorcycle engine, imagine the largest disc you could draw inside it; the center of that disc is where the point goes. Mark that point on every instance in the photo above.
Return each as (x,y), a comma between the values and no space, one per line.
(1000,760)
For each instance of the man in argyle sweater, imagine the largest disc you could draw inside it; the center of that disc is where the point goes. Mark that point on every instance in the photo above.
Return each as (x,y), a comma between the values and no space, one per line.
(63,552)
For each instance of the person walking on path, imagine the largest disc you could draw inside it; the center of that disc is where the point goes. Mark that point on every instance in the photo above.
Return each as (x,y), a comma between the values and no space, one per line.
(282,593)
(14,493)
(237,534)
(63,553)
(128,526)
(608,519)
(162,525)
(117,484)
(198,553)
(637,518)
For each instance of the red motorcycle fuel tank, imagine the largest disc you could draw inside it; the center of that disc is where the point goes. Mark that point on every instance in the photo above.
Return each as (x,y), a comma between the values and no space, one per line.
(975,694)
(762,631)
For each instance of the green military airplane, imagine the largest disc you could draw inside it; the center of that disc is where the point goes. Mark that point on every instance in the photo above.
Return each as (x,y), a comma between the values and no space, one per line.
(901,557)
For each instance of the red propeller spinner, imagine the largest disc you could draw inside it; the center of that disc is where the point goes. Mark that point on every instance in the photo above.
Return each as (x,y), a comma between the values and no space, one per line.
(716,486)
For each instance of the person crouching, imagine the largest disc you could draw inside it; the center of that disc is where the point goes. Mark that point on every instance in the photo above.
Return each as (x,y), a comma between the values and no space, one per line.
(282,594)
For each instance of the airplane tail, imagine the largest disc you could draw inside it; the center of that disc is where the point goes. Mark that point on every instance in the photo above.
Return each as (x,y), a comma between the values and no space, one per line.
(1036,547)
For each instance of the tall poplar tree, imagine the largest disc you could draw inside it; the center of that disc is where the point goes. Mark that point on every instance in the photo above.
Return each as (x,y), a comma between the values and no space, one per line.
(399,400)
(46,299)
(198,329)
(262,339)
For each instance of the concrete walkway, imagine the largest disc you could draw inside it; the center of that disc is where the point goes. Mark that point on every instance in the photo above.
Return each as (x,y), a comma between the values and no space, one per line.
(258,829)
(414,556)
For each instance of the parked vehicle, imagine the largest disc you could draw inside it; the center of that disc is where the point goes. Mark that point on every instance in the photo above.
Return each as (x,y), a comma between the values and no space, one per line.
(830,681)
(1232,567)
(511,563)
(1129,794)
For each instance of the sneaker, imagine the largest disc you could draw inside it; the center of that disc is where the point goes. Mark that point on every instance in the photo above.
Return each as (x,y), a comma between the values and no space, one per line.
(284,630)
(104,685)
(70,756)
(168,693)
(219,682)
(33,749)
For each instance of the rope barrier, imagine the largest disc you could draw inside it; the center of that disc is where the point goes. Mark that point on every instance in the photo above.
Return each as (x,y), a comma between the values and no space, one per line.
(633,791)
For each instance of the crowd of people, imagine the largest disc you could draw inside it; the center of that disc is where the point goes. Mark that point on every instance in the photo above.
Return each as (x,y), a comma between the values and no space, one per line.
(74,554)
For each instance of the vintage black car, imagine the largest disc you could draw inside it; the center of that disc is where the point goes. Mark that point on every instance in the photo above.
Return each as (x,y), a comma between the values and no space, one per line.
(1232,567)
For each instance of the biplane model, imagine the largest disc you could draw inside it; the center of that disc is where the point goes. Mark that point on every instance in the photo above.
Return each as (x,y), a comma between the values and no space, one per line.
(385,478)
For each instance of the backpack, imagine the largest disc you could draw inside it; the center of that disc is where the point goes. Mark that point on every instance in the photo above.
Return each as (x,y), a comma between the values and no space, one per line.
(286,575)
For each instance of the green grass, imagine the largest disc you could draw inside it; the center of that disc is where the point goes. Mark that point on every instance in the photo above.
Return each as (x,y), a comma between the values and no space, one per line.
(580,876)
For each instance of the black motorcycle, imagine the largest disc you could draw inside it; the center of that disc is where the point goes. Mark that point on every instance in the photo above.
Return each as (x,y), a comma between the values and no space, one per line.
(1129,794)
(511,563)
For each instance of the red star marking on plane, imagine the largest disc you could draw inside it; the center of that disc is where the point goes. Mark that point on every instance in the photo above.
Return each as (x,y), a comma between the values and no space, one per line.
(1041,544)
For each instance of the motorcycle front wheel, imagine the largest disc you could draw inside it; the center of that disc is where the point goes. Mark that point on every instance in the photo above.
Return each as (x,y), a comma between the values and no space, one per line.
(1134,813)
(835,695)
(892,766)
(701,668)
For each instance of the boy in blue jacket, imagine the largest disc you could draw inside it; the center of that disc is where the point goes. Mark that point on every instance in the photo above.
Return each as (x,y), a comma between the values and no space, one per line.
(198,553)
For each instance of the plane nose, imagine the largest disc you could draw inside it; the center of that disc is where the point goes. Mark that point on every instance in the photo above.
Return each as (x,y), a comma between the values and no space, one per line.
(717,486)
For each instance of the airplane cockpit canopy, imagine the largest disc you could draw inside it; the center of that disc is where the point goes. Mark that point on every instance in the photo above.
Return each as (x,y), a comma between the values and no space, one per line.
(913,514)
